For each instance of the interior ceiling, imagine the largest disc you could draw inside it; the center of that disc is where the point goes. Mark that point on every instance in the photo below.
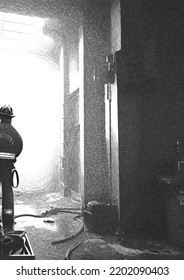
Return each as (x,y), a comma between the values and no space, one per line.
(58,12)
(43,8)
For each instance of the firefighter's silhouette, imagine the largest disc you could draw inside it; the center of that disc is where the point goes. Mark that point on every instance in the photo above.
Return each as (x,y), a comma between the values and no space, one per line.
(11,145)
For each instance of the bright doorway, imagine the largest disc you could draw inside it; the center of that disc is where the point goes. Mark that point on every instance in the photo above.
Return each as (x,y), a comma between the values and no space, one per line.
(31,84)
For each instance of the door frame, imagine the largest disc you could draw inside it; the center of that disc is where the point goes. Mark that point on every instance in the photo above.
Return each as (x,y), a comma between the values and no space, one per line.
(67,192)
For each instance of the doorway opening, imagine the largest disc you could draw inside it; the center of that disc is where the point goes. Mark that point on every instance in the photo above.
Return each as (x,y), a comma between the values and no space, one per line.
(30,84)
(34,82)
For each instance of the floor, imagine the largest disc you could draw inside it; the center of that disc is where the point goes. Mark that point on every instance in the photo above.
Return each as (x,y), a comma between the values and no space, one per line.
(49,234)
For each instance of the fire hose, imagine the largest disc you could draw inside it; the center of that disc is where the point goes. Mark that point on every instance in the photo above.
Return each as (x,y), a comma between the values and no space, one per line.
(76,218)
(79,214)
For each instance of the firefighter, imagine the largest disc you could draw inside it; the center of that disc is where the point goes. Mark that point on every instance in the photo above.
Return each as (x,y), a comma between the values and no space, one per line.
(11,145)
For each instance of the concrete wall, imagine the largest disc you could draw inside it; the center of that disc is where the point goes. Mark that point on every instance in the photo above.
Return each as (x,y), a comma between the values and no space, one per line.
(96,47)
(115,26)
(114,140)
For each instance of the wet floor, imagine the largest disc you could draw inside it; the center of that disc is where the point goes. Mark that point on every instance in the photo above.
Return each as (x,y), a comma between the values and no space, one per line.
(49,233)
(49,223)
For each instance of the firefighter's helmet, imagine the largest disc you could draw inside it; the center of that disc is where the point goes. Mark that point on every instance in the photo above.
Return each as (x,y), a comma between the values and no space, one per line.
(6,110)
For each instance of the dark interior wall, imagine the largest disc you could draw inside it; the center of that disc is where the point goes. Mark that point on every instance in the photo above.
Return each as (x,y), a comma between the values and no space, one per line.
(151,107)
(96,26)
(170,66)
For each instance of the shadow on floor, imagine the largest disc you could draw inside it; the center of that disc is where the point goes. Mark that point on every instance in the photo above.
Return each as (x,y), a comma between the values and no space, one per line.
(49,235)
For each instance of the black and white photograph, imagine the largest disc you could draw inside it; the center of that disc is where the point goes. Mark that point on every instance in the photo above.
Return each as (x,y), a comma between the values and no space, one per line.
(92,134)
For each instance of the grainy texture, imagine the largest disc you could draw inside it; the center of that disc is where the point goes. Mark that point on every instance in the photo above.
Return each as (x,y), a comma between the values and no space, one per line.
(93,247)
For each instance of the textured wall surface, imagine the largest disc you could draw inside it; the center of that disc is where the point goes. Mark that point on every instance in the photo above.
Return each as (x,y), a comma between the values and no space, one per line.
(97,46)
(115,26)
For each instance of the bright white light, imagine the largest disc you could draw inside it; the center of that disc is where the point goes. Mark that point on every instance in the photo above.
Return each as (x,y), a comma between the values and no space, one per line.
(30,85)
(23,33)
